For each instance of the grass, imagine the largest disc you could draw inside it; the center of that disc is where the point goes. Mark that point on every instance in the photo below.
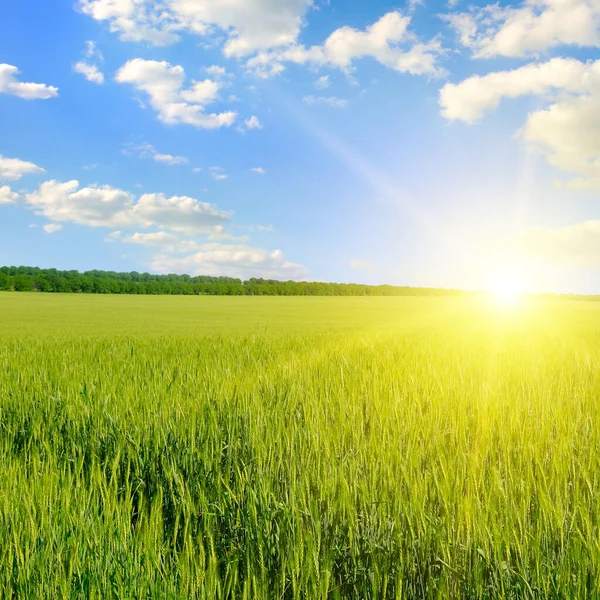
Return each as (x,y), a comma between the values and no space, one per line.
(259,448)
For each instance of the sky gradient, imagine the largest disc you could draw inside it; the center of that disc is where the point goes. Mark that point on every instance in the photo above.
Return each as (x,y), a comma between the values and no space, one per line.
(428,143)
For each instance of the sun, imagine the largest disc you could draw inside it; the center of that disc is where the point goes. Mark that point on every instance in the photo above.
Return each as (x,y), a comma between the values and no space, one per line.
(506,291)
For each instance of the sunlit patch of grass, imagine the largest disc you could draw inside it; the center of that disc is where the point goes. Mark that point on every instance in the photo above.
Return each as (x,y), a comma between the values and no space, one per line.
(298,448)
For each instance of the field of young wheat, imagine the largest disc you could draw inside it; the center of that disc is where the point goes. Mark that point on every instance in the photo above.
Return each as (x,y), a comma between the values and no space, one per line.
(271,448)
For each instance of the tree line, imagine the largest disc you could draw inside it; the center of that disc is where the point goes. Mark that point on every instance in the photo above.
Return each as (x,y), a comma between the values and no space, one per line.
(34,279)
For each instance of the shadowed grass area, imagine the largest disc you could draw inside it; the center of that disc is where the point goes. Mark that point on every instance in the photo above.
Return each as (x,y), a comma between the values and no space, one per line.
(175,447)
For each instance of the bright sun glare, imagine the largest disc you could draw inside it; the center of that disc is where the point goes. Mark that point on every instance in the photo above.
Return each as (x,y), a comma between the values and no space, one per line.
(506,291)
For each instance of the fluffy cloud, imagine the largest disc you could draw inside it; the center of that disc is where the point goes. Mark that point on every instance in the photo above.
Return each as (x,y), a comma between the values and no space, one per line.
(532,28)
(259,171)
(267,31)
(179,213)
(567,132)
(7,196)
(249,25)
(218,72)
(93,206)
(13,168)
(149,151)
(88,67)
(253,123)
(89,71)
(331,101)
(388,41)
(231,260)
(164,85)
(52,227)
(9,84)
(468,100)
(104,206)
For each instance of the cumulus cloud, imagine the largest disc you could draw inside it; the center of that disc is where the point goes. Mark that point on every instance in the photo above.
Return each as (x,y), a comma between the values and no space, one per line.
(149,151)
(179,213)
(7,196)
(164,85)
(105,206)
(388,41)
(52,227)
(267,31)
(253,123)
(249,25)
(232,260)
(88,66)
(218,72)
(13,168)
(534,27)
(567,132)
(89,71)
(9,84)
(331,101)
(259,171)
(468,100)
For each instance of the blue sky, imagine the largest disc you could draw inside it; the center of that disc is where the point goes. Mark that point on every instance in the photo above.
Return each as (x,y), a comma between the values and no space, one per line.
(421,143)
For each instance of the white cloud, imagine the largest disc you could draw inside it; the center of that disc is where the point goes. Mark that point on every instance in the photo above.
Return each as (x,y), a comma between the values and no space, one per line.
(89,67)
(388,41)
(218,72)
(149,151)
(361,264)
(535,26)
(184,255)
(323,82)
(259,171)
(158,238)
(13,168)
(249,25)
(52,228)
(7,196)
(91,51)
(231,260)
(89,71)
(414,4)
(468,100)
(331,101)
(567,132)
(197,170)
(268,31)
(253,123)
(179,213)
(93,206)
(219,176)
(163,83)
(104,206)
(9,84)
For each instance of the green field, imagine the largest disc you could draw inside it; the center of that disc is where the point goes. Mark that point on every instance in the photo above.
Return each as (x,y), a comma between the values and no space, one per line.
(259,448)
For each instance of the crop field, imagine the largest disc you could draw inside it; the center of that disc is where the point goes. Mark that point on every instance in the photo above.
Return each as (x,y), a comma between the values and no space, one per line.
(275,448)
